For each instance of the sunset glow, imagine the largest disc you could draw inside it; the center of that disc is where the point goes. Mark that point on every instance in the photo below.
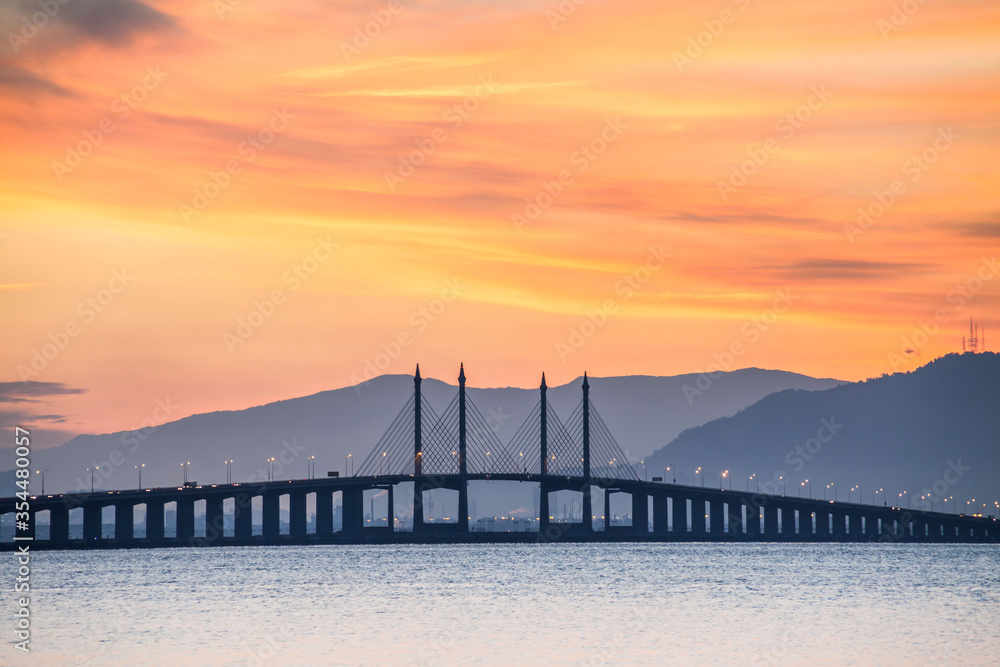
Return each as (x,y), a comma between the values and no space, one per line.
(225,204)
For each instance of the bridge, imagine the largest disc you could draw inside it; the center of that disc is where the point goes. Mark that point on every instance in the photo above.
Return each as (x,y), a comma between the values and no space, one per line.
(422,451)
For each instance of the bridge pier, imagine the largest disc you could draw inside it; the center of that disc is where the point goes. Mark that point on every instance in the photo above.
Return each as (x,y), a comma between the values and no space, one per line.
(59,523)
(640,512)
(185,518)
(297,519)
(154,520)
(839,525)
(271,516)
(787,521)
(324,511)
(124,522)
(92,521)
(353,510)
(543,508)
(822,523)
(214,519)
(243,517)
(735,518)
(752,516)
(660,520)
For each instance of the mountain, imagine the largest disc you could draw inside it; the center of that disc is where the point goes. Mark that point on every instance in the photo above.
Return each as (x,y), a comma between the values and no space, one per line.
(934,430)
(643,413)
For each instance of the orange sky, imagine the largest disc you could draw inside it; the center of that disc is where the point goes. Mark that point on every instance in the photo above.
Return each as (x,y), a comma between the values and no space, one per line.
(470,257)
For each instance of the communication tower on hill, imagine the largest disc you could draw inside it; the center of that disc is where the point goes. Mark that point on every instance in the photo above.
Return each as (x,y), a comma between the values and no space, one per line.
(976,341)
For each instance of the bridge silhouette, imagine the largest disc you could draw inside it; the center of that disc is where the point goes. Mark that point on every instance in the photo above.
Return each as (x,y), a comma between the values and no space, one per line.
(431,451)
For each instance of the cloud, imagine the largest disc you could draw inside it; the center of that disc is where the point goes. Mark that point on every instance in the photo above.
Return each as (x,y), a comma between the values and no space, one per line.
(16,391)
(111,22)
(28,82)
(12,418)
(984,230)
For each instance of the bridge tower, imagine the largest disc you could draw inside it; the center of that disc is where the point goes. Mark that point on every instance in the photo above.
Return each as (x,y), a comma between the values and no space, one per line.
(588,511)
(543,491)
(418,494)
(463,470)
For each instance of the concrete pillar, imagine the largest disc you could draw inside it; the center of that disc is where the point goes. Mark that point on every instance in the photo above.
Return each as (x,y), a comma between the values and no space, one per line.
(716,517)
(640,512)
(735,518)
(660,513)
(871,525)
(123,521)
(214,519)
(324,511)
(91,521)
(353,510)
(243,517)
(297,518)
(607,510)
(271,516)
(390,511)
(58,523)
(771,519)
(752,516)
(154,520)
(839,524)
(804,523)
(854,528)
(185,518)
(679,514)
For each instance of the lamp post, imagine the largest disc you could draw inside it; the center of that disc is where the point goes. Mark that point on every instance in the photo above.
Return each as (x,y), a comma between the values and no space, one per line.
(311,467)
(229,471)
(722,479)
(92,471)
(184,467)
(139,470)
(696,472)
(270,469)
(748,482)
(350,460)
(671,469)
(42,473)
(834,491)
(782,480)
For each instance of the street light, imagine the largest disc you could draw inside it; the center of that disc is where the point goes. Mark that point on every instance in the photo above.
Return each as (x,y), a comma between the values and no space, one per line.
(671,469)
(270,469)
(139,469)
(229,471)
(184,466)
(695,473)
(781,479)
(834,491)
(311,467)
(748,482)
(722,479)
(92,471)
(351,461)
(42,473)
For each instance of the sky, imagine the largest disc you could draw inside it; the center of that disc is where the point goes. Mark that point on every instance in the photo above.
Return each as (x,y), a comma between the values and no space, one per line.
(214,205)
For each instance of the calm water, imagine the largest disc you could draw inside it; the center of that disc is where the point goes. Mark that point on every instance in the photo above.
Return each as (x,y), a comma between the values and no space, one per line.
(506,605)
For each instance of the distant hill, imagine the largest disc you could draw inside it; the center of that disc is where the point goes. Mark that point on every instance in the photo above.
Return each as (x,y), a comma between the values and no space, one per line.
(901,432)
(643,412)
